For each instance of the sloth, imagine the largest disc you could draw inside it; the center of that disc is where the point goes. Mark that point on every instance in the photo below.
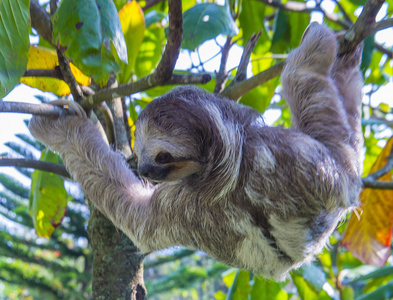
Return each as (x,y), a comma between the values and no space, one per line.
(260,198)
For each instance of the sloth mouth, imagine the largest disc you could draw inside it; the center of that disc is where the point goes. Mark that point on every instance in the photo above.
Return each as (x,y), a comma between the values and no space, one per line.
(154,173)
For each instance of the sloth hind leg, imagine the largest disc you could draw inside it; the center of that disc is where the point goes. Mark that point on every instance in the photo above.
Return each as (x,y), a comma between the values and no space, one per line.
(314,100)
(349,82)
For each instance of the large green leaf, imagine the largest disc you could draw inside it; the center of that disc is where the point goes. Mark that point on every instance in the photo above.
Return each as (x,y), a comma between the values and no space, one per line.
(288,30)
(133,24)
(367,54)
(91,36)
(48,198)
(205,21)
(267,289)
(251,20)
(150,51)
(14,41)
(381,293)
(260,97)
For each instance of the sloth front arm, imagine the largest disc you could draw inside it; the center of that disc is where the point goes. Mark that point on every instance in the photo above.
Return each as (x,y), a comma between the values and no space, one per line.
(105,178)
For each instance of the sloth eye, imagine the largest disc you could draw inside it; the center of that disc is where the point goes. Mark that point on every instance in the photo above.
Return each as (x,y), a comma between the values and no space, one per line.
(164,158)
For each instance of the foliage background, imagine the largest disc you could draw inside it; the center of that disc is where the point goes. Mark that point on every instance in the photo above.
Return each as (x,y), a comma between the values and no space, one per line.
(60,266)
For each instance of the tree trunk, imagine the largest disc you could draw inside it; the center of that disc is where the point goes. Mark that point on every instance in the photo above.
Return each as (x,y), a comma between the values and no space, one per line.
(118,268)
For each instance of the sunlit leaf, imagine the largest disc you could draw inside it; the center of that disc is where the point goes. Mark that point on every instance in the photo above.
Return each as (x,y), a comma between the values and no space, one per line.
(42,58)
(14,41)
(347,293)
(219,295)
(48,199)
(306,292)
(239,284)
(206,21)
(267,289)
(133,25)
(251,21)
(381,293)
(229,277)
(150,51)
(369,239)
(92,38)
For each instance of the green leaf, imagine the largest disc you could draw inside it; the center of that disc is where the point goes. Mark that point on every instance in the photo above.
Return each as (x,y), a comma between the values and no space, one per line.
(133,24)
(380,272)
(260,97)
(150,51)
(251,20)
(305,290)
(288,30)
(367,54)
(205,21)
(267,289)
(10,183)
(381,293)
(347,293)
(14,41)
(281,32)
(313,275)
(48,199)
(91,36)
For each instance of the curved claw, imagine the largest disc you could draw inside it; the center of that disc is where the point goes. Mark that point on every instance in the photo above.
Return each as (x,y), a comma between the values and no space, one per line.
(76,107)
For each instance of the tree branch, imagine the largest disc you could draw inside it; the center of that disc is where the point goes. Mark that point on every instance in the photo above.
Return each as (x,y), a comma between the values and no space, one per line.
(222,74)
(69,77)
(35,164)
(302,8)
(55,73)
(40,21)
(172,49)
(237,90)
(142,84)
(241,73)
(381,185)
(35,109)
(362,28)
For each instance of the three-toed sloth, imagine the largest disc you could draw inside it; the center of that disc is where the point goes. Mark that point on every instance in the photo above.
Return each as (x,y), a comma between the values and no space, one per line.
(255,197)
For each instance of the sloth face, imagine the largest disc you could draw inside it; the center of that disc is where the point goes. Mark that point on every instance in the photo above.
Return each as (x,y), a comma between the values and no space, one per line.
(163,156)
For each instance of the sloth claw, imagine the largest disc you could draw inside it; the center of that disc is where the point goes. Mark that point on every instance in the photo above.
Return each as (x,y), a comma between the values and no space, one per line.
(76,107)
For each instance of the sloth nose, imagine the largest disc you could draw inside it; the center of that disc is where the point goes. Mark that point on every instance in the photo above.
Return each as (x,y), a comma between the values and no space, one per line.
(145,170)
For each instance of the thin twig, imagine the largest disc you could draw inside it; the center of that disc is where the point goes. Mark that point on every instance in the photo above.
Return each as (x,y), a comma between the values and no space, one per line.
(42,109)
(222,74)
(241,73)
(69,77)
(40,21)
(34,164)
(238,90)
(381,172)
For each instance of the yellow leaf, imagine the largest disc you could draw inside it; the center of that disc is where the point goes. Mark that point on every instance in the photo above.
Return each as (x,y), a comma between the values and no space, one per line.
(131,124)
(42,58)
(369,239)
(132,23)
(48,199)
